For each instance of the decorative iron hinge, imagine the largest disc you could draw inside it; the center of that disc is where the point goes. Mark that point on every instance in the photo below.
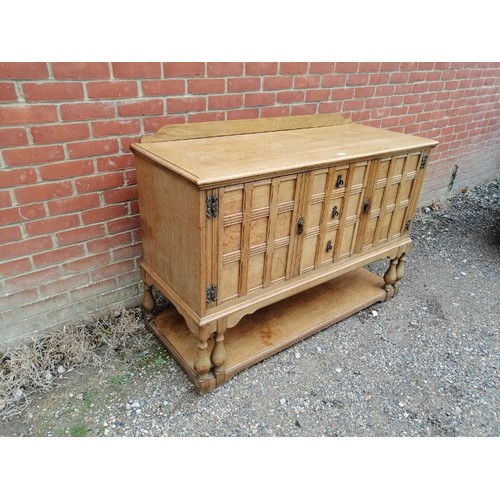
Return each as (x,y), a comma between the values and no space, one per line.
(423,161)
(211,294)
(212,206)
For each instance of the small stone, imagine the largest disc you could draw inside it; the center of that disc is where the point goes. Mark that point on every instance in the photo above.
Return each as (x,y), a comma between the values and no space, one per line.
(48,376)
(463,274)
(18,394)
(282,401)
(413,323)
(135,404)
(374,313)
(61,369)
(297,355)
(401,404)
(318,349)
(338,370)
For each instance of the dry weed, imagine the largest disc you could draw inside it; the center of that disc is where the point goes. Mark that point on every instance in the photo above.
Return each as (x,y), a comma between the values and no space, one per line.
(37,366)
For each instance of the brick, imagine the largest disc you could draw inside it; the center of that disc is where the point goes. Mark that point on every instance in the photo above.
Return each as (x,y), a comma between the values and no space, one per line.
(80,234)
(15,267)
(13,137)
(153,123)
(5,199)
(364,92)
(125,143)
(329,107)
(224,68)
(275,111)
(302,82)
(25,115)
(80,70)
(141,107)
(261,68)
(317,95)
(32,280)
(174,69)
(66,170)
(290,96)
(51,225)
(99,182)
(333,80)
(112,90)
(116,127)
(398,77)
(225,101)
(277,82)
(60,133)
(23,70)
(17,176)
(346,67)
(357,79)
(293,68)
(186,104)
(260,99)
(51,91)
(352,105)
(33,155)
(385,90)
(85,264)
(321,67)
(389,66)
(123,224)
(112,270)
(26,247)
(378,78)
(303,109)
(369,67)
(16,215)
(408,66)
(42,192)
(206,86)
(375,102)
(128,252)
(8,92)
(73,204)
(10,233)
(243,84)
(87,111)
(163,87)
(92,148)
(109,242)
(94,290)
(136,69)
(63,285)
(106,213)
(341,94)
(58,256)
(118,162)
(242,114)
(122,194)
(210,116)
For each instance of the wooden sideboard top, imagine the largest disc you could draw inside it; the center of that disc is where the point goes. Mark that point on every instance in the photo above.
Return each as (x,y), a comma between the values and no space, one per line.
(219,160)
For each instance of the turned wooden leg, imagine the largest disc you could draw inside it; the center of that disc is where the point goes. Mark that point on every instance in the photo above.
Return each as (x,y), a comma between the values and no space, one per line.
(400,272)
(390,278)
(148,305)
(219,357)
(202,367)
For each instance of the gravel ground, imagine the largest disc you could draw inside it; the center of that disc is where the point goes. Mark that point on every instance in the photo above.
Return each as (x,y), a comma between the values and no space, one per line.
(422,364)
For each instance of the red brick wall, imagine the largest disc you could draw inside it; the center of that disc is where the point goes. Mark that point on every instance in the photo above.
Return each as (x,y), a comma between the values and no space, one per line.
(69,227)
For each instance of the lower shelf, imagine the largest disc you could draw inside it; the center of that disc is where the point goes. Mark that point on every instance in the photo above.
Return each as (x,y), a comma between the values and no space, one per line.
(275,327)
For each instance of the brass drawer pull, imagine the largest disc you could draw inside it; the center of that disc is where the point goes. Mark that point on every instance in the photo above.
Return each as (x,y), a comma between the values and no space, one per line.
(335,212)
(340,182)
(329,246)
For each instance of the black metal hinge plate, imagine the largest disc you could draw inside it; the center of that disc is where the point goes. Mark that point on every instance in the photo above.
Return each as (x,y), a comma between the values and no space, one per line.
(211,294)
(212,206)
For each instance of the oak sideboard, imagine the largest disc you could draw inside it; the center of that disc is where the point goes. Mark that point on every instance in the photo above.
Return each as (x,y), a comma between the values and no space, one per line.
(258,232)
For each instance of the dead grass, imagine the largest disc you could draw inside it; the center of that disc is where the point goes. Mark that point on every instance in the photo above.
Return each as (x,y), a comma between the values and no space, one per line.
(39,365)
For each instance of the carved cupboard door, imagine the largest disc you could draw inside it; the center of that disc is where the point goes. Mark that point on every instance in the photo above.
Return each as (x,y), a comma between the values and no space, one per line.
(256,221)
(391,199)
